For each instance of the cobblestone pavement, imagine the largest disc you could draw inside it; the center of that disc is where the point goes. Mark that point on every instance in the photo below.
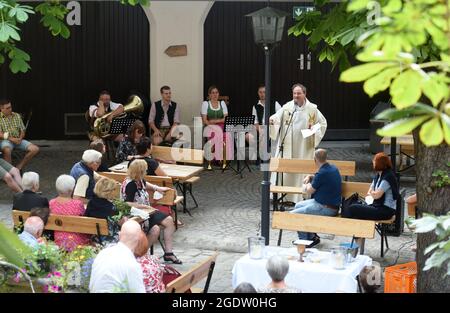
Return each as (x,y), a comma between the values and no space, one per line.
(229,210)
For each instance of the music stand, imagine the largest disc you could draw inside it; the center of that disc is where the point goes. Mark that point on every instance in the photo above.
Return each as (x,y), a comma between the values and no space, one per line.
(121,125)
(236,125)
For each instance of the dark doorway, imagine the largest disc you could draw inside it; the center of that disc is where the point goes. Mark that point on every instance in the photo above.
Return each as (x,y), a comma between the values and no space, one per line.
(236,65)
(109,50)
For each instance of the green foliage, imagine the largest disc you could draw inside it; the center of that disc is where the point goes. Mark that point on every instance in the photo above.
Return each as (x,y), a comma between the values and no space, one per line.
(123,209)
(403,47)
(11,247)
(442,178)
(13,15)
(440,250)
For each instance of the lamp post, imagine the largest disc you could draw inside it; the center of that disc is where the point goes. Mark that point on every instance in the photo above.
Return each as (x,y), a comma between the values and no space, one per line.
(268,29)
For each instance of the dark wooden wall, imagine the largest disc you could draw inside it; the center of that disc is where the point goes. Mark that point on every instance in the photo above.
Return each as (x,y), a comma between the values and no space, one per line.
(109,50)
(235,64)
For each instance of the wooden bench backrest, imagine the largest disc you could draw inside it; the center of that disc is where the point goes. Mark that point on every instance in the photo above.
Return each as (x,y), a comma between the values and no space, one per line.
(75,224)
(182,155)
(192,277)
(162,181)
(346,168)
(324,224)
(349,188)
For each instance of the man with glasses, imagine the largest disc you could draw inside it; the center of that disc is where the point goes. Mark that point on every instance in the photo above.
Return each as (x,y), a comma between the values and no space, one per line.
(12,134)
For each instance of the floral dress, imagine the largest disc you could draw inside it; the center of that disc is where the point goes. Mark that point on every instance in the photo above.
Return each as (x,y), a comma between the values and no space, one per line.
(126,148)
(152,271)
(69,240)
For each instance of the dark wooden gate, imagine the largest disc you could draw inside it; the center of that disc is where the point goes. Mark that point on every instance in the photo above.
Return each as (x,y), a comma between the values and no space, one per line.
(235,64)
(109,50)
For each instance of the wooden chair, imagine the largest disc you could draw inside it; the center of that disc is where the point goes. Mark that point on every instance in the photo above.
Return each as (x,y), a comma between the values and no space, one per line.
(187,280)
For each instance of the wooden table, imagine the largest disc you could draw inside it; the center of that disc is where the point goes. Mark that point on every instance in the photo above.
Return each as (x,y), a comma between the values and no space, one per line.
(177,172)
(406,143)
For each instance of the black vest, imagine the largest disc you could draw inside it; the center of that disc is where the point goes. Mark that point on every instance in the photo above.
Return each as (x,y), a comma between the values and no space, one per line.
(260,111)
(389,176)
(160,113)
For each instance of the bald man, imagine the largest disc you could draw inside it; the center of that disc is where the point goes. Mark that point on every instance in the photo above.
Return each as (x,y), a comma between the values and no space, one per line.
(32,231)
(325,190)
(115,268)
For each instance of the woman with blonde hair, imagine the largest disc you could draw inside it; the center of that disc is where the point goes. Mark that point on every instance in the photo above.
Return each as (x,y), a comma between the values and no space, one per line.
(101,206)
(134,192)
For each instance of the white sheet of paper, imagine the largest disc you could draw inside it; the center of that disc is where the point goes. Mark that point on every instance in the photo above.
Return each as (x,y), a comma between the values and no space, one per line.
(138,212)
(157,195)
(309,132)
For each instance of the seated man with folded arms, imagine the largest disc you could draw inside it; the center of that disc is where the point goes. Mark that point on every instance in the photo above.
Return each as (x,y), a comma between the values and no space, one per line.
(325,190)
(12,134)
(32,231)
(85,175)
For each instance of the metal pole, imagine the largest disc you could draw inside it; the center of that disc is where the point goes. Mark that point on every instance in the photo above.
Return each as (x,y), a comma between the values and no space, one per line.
(265,192)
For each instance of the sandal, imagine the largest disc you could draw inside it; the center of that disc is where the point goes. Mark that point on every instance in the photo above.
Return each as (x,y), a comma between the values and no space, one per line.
(170,257)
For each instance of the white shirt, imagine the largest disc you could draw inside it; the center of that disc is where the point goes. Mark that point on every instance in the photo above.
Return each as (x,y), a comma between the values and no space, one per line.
(277,107)
(205,105)
(93,108)
(115,269)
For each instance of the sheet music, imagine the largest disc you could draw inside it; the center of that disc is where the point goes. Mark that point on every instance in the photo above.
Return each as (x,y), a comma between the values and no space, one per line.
(309,132)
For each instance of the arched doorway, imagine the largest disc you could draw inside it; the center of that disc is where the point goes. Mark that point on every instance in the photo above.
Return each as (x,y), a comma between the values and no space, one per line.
(109,50)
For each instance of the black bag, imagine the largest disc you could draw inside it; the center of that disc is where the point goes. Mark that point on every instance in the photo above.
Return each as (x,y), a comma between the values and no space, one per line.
(353,199)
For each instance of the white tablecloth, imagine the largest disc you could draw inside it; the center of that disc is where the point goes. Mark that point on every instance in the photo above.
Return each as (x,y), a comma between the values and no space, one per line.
(306,276)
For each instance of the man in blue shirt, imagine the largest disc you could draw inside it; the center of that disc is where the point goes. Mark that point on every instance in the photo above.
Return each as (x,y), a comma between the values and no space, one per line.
(32,231)
(325,190)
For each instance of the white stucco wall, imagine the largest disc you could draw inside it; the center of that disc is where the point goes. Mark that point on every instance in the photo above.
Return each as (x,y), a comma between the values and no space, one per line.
(178,23)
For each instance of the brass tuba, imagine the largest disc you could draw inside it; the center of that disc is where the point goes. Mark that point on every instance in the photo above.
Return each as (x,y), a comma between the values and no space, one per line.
(101,125)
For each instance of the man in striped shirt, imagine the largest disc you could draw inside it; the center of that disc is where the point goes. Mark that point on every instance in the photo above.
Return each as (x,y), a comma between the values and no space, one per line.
(12,133)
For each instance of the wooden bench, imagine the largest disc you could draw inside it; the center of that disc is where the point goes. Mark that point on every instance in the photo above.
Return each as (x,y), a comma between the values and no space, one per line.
(68,223)
(298,166)
(335,225)
(184,156)
(187,280)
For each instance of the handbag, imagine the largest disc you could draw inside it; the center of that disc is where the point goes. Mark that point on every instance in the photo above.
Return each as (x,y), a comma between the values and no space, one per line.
(170,274)
(353,199)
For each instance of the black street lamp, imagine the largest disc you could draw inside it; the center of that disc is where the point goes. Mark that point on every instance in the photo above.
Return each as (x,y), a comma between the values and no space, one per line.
(268,29)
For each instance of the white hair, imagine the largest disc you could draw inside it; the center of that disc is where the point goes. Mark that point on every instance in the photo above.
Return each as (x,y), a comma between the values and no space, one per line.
(65,184)
(277,268)
(91,156)
(30,180)
(34,225)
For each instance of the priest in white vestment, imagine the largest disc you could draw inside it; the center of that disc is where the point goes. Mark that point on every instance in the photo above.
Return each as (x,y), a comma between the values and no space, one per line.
(300,114)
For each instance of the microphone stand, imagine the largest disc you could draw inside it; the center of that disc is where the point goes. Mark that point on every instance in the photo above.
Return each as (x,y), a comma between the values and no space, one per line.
(281,149)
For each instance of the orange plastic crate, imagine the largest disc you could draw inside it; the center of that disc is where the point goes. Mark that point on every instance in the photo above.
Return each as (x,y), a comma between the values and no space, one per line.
(401,278)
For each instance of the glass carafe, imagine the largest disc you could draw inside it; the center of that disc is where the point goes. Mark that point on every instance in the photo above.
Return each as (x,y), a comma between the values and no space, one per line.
(256,247)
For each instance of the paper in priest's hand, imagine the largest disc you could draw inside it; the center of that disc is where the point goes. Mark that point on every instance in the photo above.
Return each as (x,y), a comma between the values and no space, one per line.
(309,132)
